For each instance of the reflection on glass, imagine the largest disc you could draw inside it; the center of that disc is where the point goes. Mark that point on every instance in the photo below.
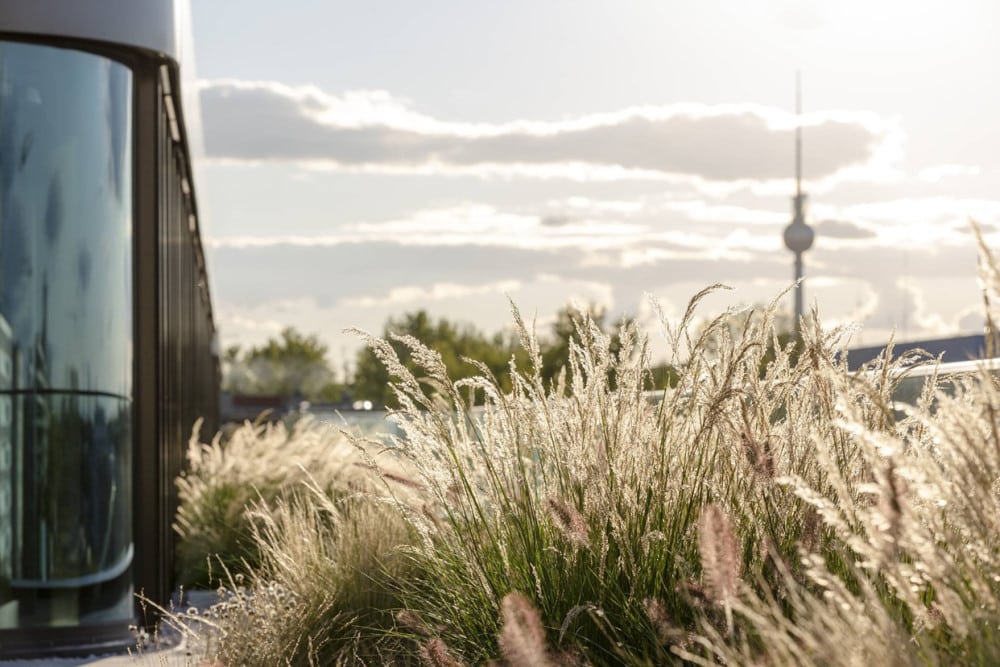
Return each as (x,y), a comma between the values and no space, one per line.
(65,337)
(74,548)
(65,217)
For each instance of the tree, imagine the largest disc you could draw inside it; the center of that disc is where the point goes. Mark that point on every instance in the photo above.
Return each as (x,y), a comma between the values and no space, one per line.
(453,341)
(235,374)
(566,330)
(555,348)
(292,365)
(781,332)
(456,341)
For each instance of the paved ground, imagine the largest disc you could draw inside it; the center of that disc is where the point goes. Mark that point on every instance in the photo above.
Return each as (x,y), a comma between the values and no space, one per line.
(177,656)
(172,650)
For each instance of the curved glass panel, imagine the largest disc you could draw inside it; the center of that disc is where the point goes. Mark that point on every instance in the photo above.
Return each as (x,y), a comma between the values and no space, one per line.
(65,217)
(65,338)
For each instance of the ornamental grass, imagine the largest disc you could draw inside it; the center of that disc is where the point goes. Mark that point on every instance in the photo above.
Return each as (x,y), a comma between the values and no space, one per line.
(770,508)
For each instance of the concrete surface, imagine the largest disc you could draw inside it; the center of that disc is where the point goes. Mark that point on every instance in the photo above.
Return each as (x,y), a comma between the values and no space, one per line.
(172,649)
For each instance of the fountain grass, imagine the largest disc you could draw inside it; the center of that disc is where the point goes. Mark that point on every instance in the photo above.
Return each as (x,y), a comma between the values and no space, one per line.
(769,508)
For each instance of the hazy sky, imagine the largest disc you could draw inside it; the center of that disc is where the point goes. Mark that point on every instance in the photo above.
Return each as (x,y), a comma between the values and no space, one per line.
(369,159)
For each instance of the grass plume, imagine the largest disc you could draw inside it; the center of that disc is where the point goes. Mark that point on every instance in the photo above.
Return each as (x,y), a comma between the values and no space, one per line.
(571,521)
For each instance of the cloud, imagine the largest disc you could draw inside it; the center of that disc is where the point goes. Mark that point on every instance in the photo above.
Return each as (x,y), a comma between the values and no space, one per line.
(330,274)
(555,220)
(841,229)
(913,210)
(881,264)
(589,206)
(922,292)
(482,226)
(701,211)
(411,294)
(462,225)
(916,313)
(935,173)
(972,320)
(916,222)
(373,131)
(988,230)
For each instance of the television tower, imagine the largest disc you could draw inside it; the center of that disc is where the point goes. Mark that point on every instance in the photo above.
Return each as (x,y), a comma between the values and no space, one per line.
(798,235)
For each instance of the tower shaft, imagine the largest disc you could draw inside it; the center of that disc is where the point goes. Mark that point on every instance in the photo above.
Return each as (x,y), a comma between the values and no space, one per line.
(799,213)
(799,296)
(798,139)
(798,235)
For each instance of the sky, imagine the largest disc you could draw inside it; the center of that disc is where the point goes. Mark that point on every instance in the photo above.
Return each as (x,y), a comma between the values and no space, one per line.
(368,159)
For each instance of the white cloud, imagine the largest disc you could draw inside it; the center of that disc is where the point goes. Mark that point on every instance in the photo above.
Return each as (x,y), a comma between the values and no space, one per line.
(484,226)
(587,206)
(915,222)
(236,322)
(702,211)
(842,230)
(410,294)
(922,292)
(935,173)
(735,145)
(918,209)
(917,314)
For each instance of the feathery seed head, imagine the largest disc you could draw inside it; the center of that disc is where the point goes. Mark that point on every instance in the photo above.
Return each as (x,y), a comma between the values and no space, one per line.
(719,556)
(411,621)
(658,615)
(435,653)
(569,521)
(522,637)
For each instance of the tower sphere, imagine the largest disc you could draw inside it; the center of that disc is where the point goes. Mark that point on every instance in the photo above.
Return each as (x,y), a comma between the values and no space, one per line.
(799,236)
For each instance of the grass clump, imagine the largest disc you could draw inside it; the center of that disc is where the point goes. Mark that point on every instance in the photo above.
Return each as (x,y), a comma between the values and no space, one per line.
(314,559)
(326,591)
(256,465)
(598,504)
(769,508)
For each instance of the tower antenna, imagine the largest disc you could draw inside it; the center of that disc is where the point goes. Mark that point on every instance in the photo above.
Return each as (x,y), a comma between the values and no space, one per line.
(798,235)
(798,133)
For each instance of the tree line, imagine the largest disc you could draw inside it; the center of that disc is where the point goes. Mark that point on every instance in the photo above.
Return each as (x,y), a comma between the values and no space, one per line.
(295,365)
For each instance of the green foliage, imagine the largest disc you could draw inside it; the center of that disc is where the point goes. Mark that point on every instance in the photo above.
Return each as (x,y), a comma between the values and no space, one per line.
(769,508)
(325,591)
(291,528)
(217,536)
(292,365)
(584,496)
(296,365)
(771,503)
(735,324)
(293,348)
(455,343)
(257,465)
(458,343)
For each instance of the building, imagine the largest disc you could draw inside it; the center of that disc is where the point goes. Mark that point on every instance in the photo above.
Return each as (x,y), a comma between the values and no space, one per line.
(956,349)
(108,347)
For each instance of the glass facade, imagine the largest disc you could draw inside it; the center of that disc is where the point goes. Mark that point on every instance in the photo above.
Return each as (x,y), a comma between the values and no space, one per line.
(66,328)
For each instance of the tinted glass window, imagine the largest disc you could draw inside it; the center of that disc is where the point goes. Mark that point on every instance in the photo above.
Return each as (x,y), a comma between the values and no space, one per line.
(65,217)
(65,337)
